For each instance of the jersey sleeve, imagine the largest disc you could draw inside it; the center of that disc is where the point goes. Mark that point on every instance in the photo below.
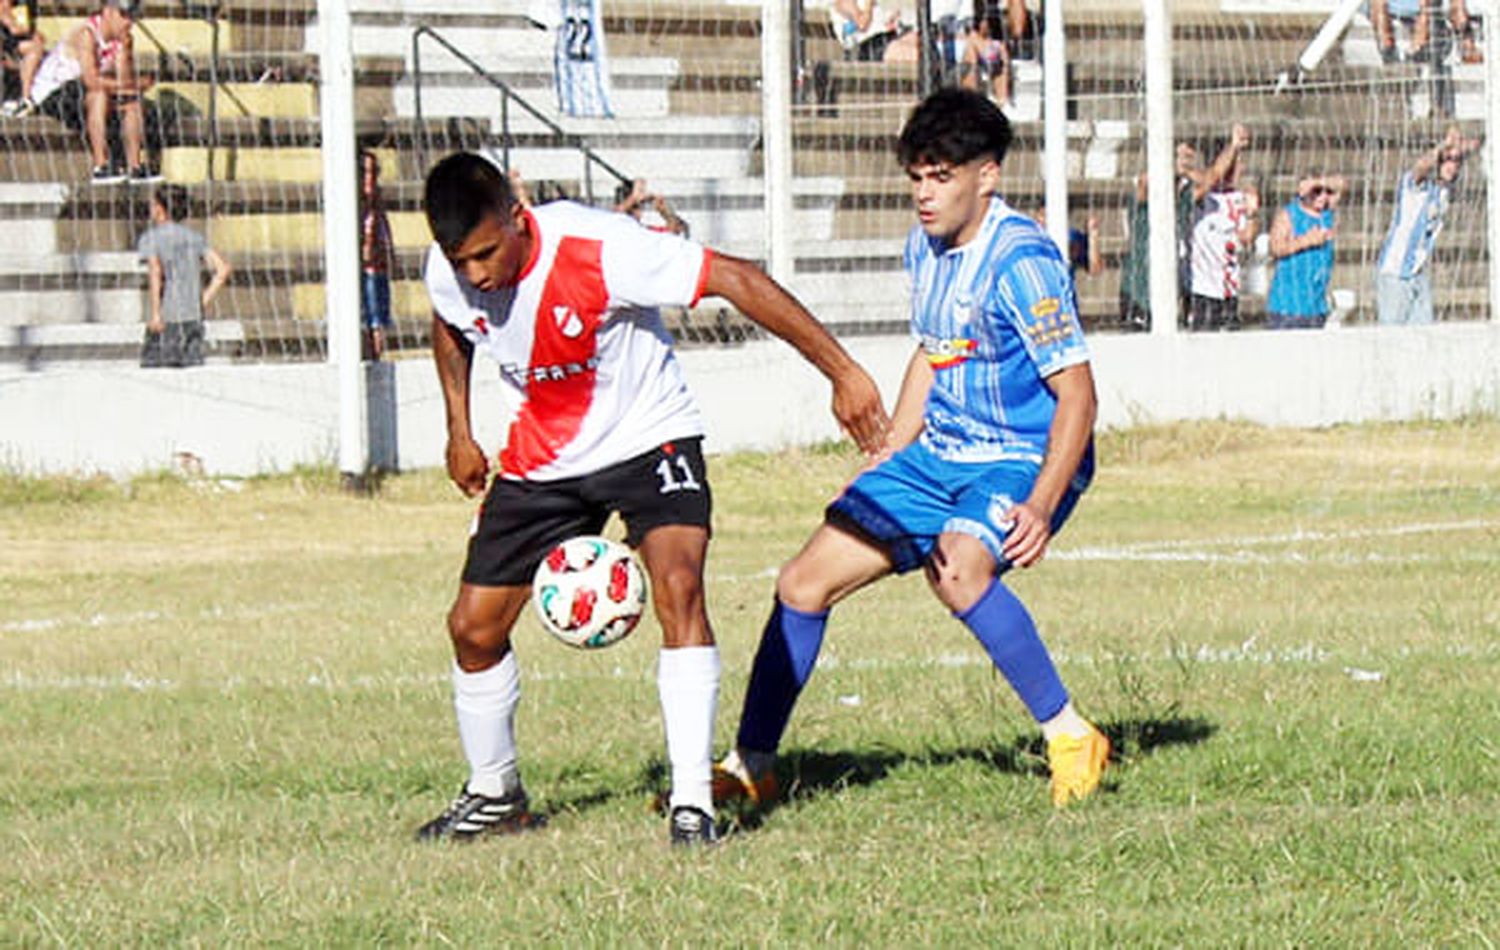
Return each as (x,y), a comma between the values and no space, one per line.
(145,248)
(648,268)
(443,290)
(1036,293)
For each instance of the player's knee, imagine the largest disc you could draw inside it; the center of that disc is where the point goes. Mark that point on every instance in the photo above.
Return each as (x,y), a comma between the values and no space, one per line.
(958,583)
(800,585)
(678,589)
(473,635)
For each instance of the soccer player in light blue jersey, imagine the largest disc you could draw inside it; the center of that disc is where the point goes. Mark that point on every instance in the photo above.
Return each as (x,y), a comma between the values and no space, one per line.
(991,445)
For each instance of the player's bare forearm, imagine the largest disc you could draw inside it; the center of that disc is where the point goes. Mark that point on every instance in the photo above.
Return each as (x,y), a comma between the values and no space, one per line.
(453,355)
(911,404)
(856,398)
(454,358)
(1068,439)
(1072,425)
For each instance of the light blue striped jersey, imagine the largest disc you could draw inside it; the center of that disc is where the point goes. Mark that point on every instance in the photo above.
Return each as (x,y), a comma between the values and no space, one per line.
(995,317)
(1414,230)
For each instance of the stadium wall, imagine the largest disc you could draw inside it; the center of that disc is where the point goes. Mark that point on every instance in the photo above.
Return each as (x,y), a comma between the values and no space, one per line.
(244,420)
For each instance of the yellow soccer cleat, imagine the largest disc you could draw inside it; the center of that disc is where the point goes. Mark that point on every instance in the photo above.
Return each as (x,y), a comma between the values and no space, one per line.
(732,782)
(1077,765)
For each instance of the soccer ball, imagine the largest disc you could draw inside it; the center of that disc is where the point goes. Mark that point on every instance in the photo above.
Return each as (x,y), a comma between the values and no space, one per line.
(589,592)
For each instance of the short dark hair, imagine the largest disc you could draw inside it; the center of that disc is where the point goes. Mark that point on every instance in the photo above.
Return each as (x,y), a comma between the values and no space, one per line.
(174,198)
(954,126)
(461,190)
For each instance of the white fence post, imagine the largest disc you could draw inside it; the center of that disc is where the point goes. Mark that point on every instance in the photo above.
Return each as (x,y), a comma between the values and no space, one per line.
(341,233)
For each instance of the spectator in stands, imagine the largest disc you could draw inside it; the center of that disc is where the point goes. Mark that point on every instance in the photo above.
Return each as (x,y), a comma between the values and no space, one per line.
(1226,218)
(1135,266)
(1417,16)
(375,253)
(986,61)
(635,200)
(22,48)
(870,33)
(518,187)
(174,255)
(1084,252)
(1403,282)
(1302,236)
(89,81)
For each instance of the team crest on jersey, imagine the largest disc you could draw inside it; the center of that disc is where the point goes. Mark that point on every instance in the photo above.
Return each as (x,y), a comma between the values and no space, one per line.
(569,323)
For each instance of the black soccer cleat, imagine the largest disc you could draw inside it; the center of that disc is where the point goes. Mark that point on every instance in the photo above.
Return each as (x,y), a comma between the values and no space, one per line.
(471,815)
(692,827)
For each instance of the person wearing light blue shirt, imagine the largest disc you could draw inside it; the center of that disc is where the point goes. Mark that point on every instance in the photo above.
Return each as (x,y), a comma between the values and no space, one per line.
(1302,242)
(1403,280)
(991,446)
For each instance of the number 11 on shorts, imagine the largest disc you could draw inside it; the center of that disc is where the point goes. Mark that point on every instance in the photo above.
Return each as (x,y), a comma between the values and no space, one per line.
(669,480)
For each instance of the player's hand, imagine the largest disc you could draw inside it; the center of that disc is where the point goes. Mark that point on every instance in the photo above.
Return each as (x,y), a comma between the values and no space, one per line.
(857,407)
(1029,535)
(467,466)
(156,324)
(1239,136)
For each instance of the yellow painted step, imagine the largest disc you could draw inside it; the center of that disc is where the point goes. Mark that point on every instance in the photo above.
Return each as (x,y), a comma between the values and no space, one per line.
(294,165)
(408,299)
(274,100)
(193,37)
(303,232)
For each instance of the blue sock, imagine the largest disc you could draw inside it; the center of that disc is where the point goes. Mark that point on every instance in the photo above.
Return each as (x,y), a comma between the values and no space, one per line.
(1009,636)
(788,649)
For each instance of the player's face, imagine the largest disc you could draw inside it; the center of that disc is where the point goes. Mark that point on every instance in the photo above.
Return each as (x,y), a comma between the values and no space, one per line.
(951,200)
(494,253)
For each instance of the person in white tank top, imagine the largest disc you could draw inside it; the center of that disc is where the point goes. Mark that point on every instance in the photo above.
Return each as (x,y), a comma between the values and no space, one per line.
(89,76)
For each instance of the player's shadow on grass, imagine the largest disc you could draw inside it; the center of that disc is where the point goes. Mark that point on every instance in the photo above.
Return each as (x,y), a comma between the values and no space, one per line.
(809,774)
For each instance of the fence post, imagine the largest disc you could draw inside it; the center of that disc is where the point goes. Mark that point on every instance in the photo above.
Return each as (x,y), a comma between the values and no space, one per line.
(341,235)
(776,133)
(1492,149)
(1161,183)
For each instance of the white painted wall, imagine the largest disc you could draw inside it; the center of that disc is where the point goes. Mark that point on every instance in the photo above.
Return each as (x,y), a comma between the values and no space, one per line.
(249,419)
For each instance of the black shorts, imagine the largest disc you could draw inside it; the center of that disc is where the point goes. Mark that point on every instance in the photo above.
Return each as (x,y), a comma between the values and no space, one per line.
(521,521)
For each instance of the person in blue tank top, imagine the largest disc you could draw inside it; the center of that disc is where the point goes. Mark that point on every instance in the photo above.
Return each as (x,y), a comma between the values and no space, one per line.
(990,447)
(1302,242)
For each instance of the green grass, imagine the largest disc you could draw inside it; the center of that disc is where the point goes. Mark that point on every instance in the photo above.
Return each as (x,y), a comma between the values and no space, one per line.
(224,707)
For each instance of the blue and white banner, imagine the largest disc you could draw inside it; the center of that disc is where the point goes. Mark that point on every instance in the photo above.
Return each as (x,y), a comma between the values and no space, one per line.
(580,66)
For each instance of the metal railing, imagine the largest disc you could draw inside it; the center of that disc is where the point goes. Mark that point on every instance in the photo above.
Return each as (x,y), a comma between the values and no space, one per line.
(565,139)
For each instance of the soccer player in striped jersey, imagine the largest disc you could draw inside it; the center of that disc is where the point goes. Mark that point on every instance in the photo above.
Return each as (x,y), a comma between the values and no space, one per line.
(991,444)
(565,299)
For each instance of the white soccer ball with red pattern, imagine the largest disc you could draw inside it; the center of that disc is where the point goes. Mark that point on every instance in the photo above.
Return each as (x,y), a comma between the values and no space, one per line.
(589,592)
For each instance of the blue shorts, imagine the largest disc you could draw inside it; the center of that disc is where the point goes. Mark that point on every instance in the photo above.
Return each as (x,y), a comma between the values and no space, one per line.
(905,502)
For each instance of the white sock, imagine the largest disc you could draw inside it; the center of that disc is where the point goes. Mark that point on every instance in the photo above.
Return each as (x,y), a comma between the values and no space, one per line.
(688,680)
(1066,722)
(486,706)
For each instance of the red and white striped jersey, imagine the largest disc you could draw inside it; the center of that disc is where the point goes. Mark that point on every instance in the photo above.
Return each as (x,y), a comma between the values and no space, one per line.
(586,363)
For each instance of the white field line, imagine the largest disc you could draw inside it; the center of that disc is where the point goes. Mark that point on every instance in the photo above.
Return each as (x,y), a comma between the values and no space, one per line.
(1206,550)
(1243,654)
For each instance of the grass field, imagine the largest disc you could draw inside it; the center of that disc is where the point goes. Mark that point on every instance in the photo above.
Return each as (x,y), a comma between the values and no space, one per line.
(224,707)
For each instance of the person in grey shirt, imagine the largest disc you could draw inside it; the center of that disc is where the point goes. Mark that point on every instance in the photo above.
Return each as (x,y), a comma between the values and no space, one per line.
(174,255)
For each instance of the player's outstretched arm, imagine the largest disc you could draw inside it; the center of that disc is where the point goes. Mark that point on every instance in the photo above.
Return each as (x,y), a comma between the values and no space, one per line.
(911,404)
(454,356)
(856,399)
(1067,440)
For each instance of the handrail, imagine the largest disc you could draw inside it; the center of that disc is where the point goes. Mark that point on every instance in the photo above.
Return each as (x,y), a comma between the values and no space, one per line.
(506,94)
